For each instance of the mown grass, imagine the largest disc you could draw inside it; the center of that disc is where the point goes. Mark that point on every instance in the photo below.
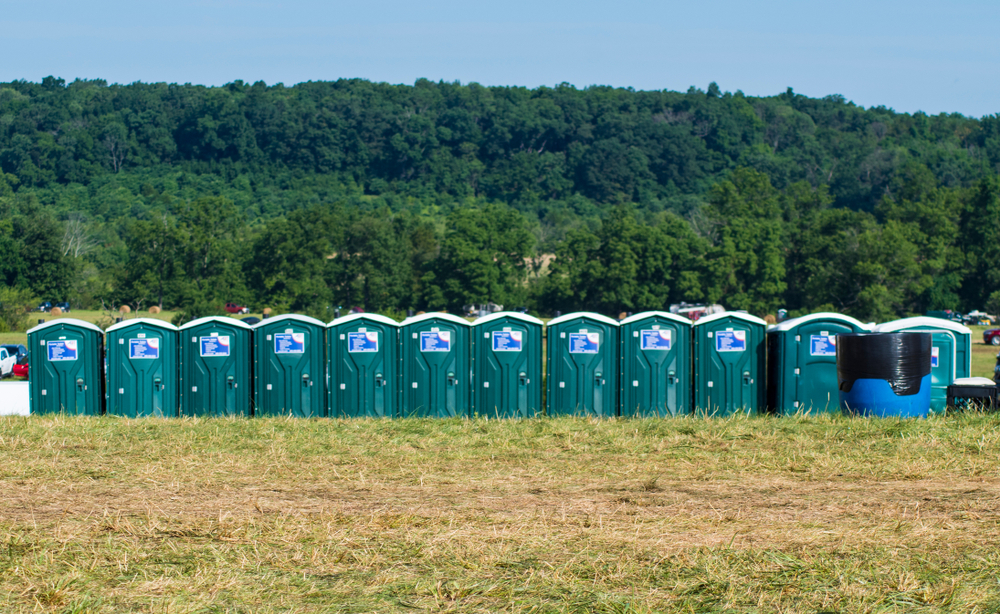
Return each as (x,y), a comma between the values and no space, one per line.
(825,514)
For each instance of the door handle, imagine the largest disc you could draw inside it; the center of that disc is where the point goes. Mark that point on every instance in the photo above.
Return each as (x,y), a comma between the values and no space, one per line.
(230,381)
(157,384)
(452,380)
(746,378)
(671,377)
(522,378)
(597,378)
(305,380)
(79,384)
(379,380)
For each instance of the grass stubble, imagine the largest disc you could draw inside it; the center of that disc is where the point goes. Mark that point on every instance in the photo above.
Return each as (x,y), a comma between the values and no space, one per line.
(795,514)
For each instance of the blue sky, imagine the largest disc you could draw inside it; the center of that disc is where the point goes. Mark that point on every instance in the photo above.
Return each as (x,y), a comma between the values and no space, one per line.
(917,55)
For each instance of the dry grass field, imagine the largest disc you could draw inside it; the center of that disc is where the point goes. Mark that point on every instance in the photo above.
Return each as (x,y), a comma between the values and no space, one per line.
(813,515)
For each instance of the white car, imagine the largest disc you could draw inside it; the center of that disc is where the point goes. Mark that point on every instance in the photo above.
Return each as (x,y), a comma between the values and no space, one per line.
(7,361)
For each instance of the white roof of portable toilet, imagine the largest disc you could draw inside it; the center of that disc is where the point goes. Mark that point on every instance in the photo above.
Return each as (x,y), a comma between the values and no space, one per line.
(440,315)
(375,317)
(221,319)
(146,321)
(731,314)
(922,321)
(72,321)
(508,314)
(289,316)
(789,324)
(650,314)
(582,314)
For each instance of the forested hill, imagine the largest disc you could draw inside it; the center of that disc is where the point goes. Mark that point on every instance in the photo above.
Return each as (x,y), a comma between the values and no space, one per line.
(91,167)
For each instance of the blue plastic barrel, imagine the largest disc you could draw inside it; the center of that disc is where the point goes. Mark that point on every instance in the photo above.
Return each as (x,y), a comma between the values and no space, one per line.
(885,374)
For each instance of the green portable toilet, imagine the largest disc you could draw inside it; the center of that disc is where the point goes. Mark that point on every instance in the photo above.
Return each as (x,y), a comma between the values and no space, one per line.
(507,365)
(289,367)
(436,371)
(65,362)
(582,365)
(802,362)
(655,365)
(951,351)
(363,350)
(216,369)
(142,368)
(728,363)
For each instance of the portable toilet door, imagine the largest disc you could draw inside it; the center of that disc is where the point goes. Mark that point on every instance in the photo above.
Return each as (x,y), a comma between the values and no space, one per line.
(289,367)
(728,363)
(436,366)
(215,367)
(802,362)
(507,365)
(65,361)
(582,365)
(951,351)
(655,365)
(142,368)
(363,350)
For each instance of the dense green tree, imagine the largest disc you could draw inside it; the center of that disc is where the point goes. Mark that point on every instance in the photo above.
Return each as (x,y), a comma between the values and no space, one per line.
(746,264)
(293,263)
(980,242)
(627,266)
(376,263)
(484,258)
(150,275)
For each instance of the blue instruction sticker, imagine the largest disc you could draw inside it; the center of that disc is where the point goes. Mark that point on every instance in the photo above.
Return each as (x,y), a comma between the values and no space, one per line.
(290,343)
(216,345)
(935,353)
(823,345)
(584,343)
(143,348)
(62,350)
(362,342)
(731,341)
(435,341)
(506,341)
(655,339)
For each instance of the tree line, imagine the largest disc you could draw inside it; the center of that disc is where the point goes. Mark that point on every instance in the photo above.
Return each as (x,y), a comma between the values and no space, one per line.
(437,195)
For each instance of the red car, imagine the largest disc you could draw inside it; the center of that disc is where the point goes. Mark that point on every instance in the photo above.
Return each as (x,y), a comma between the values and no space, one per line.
(991,336)
(234,308)
(21,367)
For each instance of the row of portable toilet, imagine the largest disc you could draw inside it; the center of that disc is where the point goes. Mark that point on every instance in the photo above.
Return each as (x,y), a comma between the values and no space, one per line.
(222,366)
(651,364)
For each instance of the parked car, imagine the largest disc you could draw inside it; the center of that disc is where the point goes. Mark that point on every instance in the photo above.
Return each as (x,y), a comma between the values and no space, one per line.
(45,307)
(21,367)
(234,308)
(977,317)
(991,336)
(18,351)
(63,306)
(7,362)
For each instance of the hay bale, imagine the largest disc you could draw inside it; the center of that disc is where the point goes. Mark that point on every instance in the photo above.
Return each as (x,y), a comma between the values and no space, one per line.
(154,310)
(125,309)
(55,311)
(770,319)
(267,311)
